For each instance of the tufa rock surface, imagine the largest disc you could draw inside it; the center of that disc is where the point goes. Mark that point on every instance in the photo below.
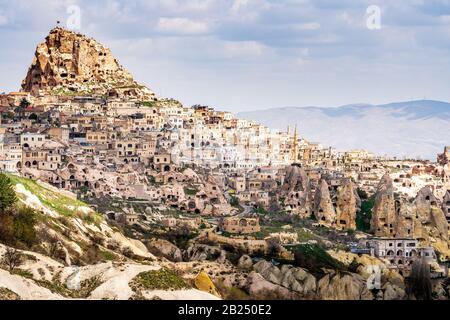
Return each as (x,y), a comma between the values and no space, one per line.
(297,191)
(346,206)
(69,63)
(421,218)
(383,213)
(323,206)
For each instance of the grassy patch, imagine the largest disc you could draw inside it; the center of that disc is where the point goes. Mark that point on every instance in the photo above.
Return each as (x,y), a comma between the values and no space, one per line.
(162,279)
(190,191)
(64,205)
(149,104)
(86,287)
(54,286)
(107,255)
(23,273)
(305,235)
(314,258)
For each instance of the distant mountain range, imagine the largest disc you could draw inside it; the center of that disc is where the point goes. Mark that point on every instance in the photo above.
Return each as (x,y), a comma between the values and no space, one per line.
(404,129)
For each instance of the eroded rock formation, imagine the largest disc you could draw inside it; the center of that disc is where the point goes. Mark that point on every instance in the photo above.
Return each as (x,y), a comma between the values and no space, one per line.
(430,223)
(323,206)
(297,191)
(398,217)
(383,213)
(69,63)
(346,206)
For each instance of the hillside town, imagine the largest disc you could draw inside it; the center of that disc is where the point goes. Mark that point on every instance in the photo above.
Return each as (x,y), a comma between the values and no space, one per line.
(151,165)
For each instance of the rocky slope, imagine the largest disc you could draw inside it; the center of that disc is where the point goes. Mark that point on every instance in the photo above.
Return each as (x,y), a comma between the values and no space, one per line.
(80,256)
(69,63)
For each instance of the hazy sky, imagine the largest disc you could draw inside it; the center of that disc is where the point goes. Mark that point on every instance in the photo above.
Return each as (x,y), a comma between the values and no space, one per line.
(252,54)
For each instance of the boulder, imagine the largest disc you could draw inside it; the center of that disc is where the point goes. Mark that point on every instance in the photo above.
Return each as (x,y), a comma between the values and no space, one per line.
(204,283)
(166,249)
(245,262)
(289,277)
(343,286)
(393,292)
(203,252)
(260,288)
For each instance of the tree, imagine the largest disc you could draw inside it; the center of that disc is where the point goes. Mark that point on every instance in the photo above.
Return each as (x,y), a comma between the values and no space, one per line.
(22,106)
(24,222)
(24,103)
(12,259)
(7,193)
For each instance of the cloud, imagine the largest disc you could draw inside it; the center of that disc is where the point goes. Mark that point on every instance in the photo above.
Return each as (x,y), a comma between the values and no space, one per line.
(3,20)
(249,45)
(307,26)
(182,26)
(250,49)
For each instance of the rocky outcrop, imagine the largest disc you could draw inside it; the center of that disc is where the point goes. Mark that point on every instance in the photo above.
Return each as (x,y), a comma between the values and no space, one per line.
(163,248)
(444,158)
(323,206)
(392,292)
(346,206)
(422,218)
(295,179)
(260,288)
(383,214)
(204,283)
(446,205)
(392,284)
(297,191)
(69,63)
(245,262)
(289,277)
(203,252)
(430,221)
(340,286)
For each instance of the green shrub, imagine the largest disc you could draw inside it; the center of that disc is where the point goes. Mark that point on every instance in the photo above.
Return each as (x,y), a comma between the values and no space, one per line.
(190,191)
(17,228)
(364,216)
(260,210)
(23,273)
(23,223)
(314,257)
(7,193)
(107,255)
(6,228)
(162,279)
(234,202)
